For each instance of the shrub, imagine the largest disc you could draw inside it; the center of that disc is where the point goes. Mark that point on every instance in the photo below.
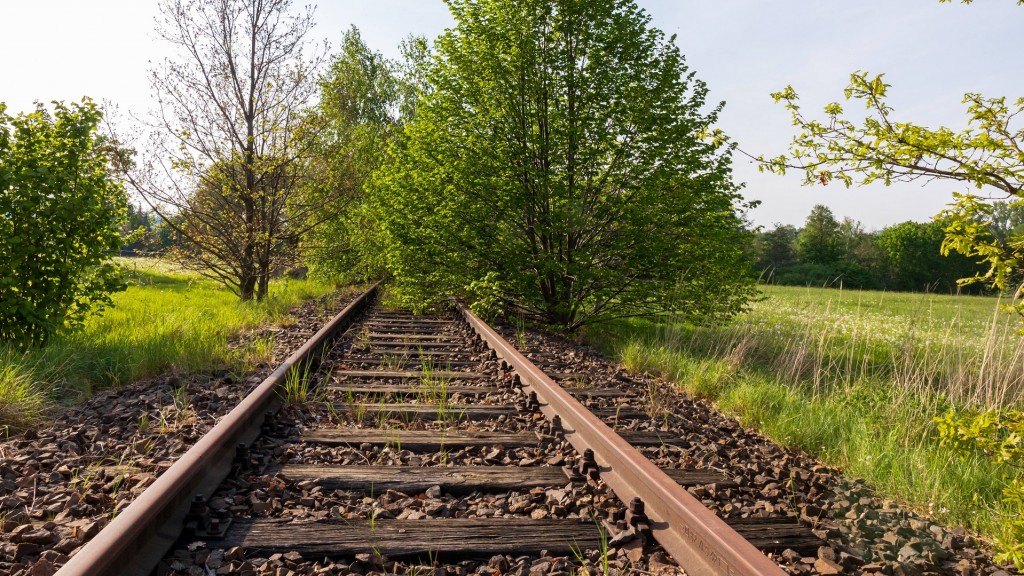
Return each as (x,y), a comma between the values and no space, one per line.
(60,215)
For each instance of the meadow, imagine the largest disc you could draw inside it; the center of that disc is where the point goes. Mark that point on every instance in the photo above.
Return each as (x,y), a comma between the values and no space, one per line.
(855,378)
(168,320)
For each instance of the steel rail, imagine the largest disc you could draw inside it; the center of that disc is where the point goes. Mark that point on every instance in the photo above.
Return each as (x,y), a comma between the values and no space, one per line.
(134,542)
(699,541)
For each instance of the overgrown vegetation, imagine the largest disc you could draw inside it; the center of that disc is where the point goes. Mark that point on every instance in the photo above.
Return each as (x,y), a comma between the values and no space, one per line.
(550,159)
(364,100)
(985,160)
(167,320)
(999,435)
(855,378)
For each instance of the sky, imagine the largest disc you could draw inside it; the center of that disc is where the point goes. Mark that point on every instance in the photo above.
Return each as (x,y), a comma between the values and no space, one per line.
(931,53)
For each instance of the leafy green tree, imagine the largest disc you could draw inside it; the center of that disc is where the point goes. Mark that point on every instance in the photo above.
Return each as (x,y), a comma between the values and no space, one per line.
(1006,222)
(162,237)
(818,241)
(913,259)
(359,113)
(831,252)
(1005,228)
(558,164)
(860,260)
(775,248)
(138,225)
(60,220)
(855,243)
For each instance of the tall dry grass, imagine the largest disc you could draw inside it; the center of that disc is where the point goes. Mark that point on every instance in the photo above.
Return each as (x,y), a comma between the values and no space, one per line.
(965,350)
(855,378)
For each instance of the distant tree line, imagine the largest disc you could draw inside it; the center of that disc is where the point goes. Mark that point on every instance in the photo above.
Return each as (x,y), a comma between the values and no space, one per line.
(145,232)
(908,256)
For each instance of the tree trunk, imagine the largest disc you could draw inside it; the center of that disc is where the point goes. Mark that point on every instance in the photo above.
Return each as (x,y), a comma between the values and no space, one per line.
(263,283)
(247,287)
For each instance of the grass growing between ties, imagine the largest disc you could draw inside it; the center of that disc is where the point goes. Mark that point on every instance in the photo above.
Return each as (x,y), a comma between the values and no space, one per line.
(433,389)
(300,387)
(855,378)
(168,319)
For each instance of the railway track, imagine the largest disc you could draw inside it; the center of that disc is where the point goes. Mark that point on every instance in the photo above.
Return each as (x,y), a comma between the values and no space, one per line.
(431,441)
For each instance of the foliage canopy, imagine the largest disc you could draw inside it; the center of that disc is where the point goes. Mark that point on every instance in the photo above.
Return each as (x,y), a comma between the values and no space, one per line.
(60,218)
(557,164)
(818,242)
(347,134)
(912,258)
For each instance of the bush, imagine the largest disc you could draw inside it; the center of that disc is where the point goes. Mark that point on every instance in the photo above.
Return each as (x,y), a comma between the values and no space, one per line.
(999,435)
(60,216)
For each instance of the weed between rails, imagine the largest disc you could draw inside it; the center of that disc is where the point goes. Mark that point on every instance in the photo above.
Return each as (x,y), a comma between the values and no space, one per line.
(433,389)
(394,361)
(603,551)
(519,321)
(297,386)
(300,388)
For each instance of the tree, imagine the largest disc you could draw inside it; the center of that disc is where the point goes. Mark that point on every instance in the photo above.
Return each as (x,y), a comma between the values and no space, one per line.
(1006,221)
(830,252)
(913,259)
(853,241)
(359,113)
(135,230)
(557,164)
(818,242)
(61,214)
(776,248)
(225,165)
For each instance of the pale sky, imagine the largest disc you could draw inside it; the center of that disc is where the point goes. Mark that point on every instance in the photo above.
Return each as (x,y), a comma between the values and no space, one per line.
(744,49)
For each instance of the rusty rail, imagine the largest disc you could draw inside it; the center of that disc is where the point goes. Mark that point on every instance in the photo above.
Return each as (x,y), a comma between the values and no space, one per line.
(699,541)
(138,538)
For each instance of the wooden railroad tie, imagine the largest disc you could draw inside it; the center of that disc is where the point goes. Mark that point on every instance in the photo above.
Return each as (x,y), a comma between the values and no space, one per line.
(429,440)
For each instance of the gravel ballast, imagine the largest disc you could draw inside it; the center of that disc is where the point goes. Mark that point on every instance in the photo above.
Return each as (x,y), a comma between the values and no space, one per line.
(62,483)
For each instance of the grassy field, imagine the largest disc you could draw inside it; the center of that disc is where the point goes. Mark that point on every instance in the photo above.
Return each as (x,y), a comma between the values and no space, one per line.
(855,378)
(167,320)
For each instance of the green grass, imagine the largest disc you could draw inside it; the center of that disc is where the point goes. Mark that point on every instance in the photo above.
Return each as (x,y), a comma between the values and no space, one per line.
(167,320)
(855,378)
